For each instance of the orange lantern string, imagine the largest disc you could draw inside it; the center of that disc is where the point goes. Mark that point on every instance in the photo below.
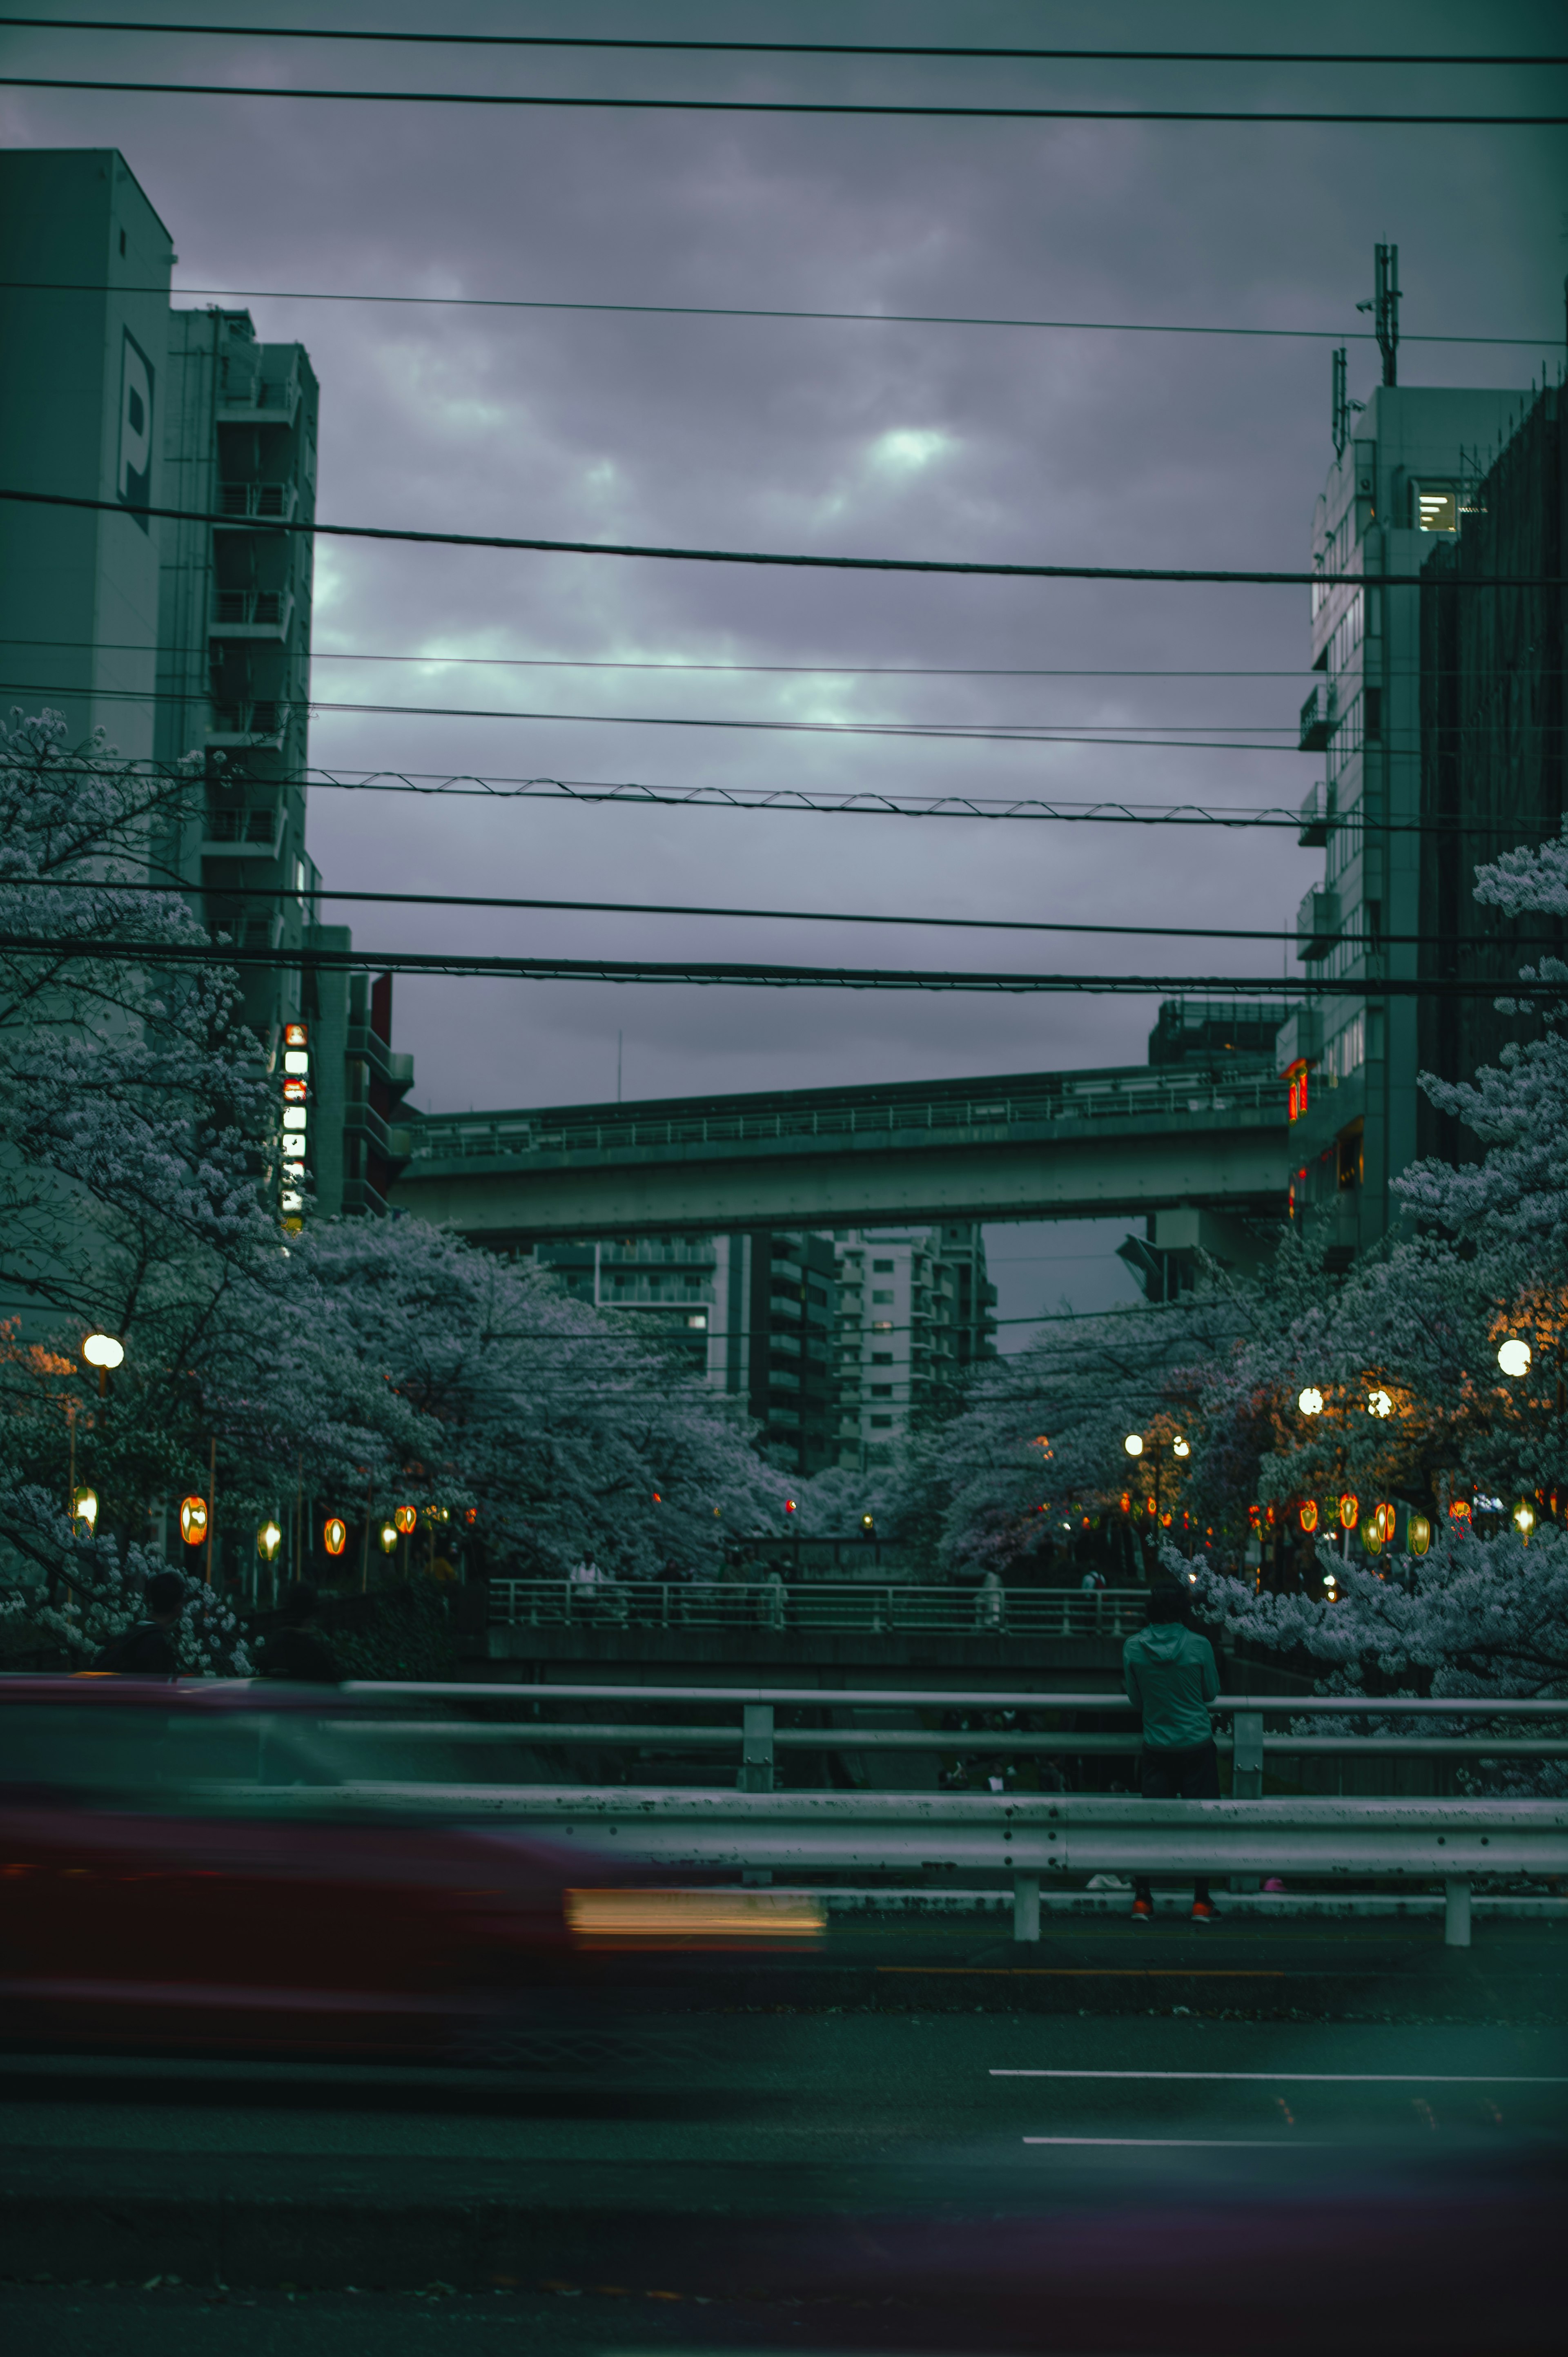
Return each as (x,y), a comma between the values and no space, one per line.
(406,1519)
(1309,1515)
(335,1534)
(193,1520)
(1350,1511)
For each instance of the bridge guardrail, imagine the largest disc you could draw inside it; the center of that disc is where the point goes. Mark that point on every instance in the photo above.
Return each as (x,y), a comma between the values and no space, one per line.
(876,1607)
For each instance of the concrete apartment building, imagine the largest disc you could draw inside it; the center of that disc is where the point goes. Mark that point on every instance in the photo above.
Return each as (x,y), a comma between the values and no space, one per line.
(1401,485)
(915,1314)
(184,636)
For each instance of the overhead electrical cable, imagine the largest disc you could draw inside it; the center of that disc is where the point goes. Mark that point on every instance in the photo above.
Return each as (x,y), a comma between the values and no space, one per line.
(550,101)
(704,972)
(978,569)
(680,666)
(1010,54)
(753,311)
(941,732)
(1372,946)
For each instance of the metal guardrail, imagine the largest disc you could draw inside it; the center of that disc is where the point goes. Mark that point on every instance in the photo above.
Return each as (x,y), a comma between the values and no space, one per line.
(1138,1094)
(1034,1839)
(877,1606)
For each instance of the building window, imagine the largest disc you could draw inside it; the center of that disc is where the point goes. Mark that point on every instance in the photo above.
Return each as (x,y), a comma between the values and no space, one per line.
(1436,508)
(880,1391)
(882,1358)
(882,1423)
(881,1268)
(882,1297)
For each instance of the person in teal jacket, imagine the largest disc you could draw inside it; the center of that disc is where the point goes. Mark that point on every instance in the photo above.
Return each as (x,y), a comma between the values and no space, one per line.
(1169,1670)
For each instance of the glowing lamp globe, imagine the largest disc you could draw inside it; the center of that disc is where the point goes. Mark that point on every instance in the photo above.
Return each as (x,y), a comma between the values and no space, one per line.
(103,1350)
(1514,1356)
(1180,1447)
(1310,1401)
(1380,1403)
(1133,1443)
(388,1535)
(85,1508)
(269,1538)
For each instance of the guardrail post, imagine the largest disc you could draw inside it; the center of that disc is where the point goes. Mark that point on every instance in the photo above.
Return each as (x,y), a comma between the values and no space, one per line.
(757,1748)
(1247,1756)
(1026,1906)
(1456,1912)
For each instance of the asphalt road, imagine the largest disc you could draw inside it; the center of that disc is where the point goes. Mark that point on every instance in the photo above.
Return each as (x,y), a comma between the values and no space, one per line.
(956,2174)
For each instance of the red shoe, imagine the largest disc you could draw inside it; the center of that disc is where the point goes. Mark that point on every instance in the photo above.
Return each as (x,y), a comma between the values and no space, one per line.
(1143,1908)
(1202,1912)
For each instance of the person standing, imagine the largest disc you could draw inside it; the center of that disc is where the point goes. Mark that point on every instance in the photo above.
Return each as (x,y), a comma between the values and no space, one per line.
(146,1649)
(1170,1676)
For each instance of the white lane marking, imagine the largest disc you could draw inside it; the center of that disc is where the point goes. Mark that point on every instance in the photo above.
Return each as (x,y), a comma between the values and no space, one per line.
(1315,2078)
(1210,2143)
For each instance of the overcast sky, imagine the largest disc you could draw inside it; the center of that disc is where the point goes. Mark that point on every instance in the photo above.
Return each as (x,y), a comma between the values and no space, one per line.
(1015,444)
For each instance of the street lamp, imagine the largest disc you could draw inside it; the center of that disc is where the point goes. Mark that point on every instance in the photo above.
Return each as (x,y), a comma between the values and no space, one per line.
(1133,1443)
(85,1509)
(1380,1403)
(1310,1401)
(269,1538)
(1514,1356)
(1181,1448)
(104,1352)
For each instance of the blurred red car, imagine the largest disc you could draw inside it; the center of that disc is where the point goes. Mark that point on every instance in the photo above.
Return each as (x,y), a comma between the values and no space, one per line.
(209,1864)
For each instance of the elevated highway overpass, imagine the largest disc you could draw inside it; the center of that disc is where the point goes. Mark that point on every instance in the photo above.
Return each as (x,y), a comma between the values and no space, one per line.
(1131,1140)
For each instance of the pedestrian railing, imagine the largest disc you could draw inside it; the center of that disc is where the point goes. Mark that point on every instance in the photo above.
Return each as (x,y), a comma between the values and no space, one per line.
(874,1607)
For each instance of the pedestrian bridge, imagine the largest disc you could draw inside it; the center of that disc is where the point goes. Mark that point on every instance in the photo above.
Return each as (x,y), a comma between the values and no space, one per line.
(1131,1140)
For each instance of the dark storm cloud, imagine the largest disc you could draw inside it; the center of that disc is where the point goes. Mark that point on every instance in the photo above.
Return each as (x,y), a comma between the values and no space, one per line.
(977,443)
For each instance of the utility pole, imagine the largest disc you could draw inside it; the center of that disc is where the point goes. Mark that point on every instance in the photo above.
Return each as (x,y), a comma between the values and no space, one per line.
(1385,307)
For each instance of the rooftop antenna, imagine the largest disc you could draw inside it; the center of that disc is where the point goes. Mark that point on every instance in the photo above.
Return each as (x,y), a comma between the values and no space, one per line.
(1385,307)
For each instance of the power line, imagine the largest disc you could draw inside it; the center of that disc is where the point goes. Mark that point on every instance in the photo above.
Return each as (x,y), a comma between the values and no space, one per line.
(702,973)
(1021,732)
(1189,575)
(1370,947)
(540,101)
(753,311)
(680,666)
(610,662)
(793,48)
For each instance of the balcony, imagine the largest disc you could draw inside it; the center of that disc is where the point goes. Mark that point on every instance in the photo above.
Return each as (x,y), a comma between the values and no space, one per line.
(388,1065)
(1317,926)
(242,834)
(258,503)
(251,613)
(1316,721)
(1317,817)
(258,399)
(248,724)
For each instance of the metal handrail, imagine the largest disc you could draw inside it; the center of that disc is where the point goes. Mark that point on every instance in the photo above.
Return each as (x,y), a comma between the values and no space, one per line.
(879,1606)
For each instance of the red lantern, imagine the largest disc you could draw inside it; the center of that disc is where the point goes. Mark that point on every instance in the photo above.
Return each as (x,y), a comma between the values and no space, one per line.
(1309,1515)
(335,1535)
(1350,1511)
(193,1520)
(405,1518)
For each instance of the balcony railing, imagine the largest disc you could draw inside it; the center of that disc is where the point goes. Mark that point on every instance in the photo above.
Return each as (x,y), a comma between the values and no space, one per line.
(267,502)
(253,613)
(1317,817)
(1317,926)
(248,724)
(1316,721)
(273,400)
